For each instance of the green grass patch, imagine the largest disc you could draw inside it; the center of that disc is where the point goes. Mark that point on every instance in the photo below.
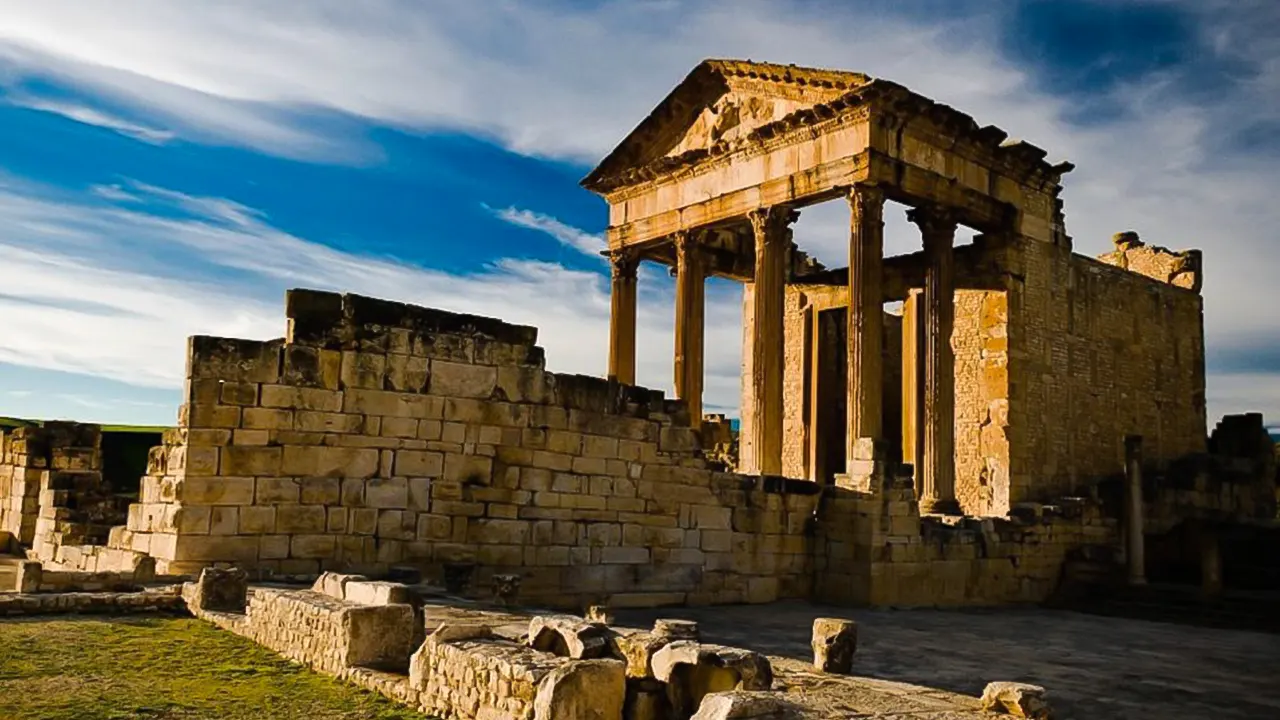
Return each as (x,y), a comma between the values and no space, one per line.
(164,668)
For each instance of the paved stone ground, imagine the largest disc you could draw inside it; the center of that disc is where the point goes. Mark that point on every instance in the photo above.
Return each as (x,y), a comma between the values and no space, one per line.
(1094,668)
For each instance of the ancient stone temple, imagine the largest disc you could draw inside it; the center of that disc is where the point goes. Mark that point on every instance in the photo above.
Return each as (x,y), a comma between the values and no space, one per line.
(1022,411)
(1014,367)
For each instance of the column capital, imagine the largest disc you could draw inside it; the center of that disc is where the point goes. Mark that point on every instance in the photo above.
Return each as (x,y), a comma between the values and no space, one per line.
(623,262)
(936,222)
(772,224)
(688,241)
(866,201)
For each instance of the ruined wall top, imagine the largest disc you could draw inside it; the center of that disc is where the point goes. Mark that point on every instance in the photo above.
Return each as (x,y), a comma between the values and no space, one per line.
(1182,269)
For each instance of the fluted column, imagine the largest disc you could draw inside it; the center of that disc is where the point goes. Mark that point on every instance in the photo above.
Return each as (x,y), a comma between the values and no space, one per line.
(938,480)
(866,319)
(771,227)
(622,316)
(690,323)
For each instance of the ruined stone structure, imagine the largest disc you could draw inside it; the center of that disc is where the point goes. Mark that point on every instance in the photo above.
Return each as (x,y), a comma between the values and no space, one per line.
(1016,367)
(967,449)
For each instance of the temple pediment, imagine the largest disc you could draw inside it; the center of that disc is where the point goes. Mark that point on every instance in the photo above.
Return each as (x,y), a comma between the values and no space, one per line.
(722,101)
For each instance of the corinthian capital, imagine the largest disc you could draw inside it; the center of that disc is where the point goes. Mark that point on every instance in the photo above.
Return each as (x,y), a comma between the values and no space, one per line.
(623,263)
(937,223)
(866,202)
(773,224)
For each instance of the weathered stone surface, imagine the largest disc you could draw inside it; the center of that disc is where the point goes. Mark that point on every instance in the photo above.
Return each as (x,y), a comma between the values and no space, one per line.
(693,670)
(568,636)
(220,589)
(835,641)
(29,575)
(582,690)
(740,705)
(671,629)
(334,584)
(368,592)
(1017,699)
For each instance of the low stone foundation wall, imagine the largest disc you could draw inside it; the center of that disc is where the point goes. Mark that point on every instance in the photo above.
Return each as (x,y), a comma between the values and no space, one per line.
(327,634)
(479,678)
(166,599)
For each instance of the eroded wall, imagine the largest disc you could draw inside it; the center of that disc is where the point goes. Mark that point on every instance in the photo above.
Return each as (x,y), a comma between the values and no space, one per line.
(379,434)
(1097,352)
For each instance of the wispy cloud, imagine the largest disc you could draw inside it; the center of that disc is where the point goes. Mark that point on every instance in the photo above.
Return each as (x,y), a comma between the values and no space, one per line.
(584,242)
(70,257)
(90,116)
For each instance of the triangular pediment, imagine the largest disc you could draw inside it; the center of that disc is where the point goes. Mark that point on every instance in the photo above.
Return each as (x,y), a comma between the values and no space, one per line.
(721,101)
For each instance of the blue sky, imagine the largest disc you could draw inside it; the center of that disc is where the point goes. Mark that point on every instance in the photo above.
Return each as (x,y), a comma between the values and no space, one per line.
(169,169)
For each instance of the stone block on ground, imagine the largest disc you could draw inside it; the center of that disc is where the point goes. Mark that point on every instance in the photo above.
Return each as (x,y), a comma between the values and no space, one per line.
(221,589)
(694,670)
(835,641)
(1016,699)
(373,592)
(568,636)
(740,705)
(334,584)
(672,629)
(582,690)
(30,573)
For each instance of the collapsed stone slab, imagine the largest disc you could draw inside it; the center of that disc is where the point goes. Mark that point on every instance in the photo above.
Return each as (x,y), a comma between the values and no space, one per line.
(582,690)
(740,705)
(1018,699)
(694,670)
(219,589)
(568,636)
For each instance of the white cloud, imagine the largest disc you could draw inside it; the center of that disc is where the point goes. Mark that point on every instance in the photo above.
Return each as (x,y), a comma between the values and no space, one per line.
(569,82)
(80,296)
(90,116)
(571,237)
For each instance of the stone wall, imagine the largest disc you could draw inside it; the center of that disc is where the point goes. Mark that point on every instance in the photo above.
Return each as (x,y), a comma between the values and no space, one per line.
(379,434)
(980,340)
(1097,352)
(52,495)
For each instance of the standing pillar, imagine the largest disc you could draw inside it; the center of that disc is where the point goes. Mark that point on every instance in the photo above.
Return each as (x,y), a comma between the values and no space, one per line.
(622,316)
(772,237)
(866,324)
(690,324)
(938,476)
(913,387)
(1133,549)
(1210,561)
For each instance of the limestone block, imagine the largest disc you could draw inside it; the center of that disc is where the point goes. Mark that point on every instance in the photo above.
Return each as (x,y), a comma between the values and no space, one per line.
(1017,699)
(638,648)
(462,380)
(220,589)
(746,706)
(251,460)
(835,641)
(671,630)
(693,670)
(568,636)
(333,584)
(29,576)
(369,592)
(583,690)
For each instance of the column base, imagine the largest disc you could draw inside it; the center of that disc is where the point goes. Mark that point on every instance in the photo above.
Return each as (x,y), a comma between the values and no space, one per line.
(940,507)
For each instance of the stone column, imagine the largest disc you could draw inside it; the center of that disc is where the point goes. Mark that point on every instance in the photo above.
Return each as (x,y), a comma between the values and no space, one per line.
(866,321)
(938,474)
(1133,506)
(690,324)
(913,386)
(772,237)
(622,317)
